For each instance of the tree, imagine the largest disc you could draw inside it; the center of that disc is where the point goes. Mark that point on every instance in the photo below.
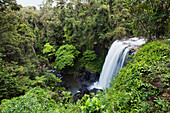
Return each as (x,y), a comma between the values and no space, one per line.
(151,17)
(9,3)
(65,56)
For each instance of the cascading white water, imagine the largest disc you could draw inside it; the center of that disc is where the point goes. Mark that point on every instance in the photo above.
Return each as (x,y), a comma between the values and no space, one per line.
(115,60)
(113,63)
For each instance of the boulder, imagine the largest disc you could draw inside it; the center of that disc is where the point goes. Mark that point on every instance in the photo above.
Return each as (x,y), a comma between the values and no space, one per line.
(79,95)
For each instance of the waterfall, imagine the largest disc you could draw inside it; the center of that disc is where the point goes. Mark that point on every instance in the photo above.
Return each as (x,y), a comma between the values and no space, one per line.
(115,60)
(113,63)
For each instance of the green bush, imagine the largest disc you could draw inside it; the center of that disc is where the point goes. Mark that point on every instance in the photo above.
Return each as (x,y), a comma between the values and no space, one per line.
(36,100)
(93,105)
(48,49)
(65,56)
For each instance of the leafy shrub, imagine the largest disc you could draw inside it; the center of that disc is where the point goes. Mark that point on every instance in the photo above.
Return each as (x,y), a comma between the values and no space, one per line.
(93,105)
(36,100)
(10,86)
(48,49)
(89,55)
(119,32)
(65,56)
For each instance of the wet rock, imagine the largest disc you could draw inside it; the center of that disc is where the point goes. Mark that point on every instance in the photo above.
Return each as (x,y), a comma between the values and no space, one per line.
(94,90)
(79,95)
(85,84)
(97,75)
(93,78)
(80,89)
(87,77)
(56,74)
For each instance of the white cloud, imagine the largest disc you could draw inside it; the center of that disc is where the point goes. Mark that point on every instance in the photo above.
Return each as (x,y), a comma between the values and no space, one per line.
(30,2)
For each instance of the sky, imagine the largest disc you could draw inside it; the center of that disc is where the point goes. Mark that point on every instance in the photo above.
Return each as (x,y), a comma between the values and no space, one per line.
(30,2)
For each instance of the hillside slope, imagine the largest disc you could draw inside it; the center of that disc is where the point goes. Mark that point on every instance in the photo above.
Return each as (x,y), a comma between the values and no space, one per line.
(143,85)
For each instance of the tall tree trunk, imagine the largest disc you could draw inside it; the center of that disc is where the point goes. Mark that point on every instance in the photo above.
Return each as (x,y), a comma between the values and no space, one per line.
(32,45)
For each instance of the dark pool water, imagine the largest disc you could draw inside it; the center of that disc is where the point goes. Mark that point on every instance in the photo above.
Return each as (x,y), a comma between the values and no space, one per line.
(73,85)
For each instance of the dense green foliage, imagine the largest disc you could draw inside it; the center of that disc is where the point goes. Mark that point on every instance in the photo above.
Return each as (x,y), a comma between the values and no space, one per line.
(65,56)
(151,17)
(141,86)
(76,35)
(36,100)
(48,49)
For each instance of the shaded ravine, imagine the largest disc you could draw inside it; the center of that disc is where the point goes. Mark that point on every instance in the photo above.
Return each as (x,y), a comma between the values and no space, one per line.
(114,61)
